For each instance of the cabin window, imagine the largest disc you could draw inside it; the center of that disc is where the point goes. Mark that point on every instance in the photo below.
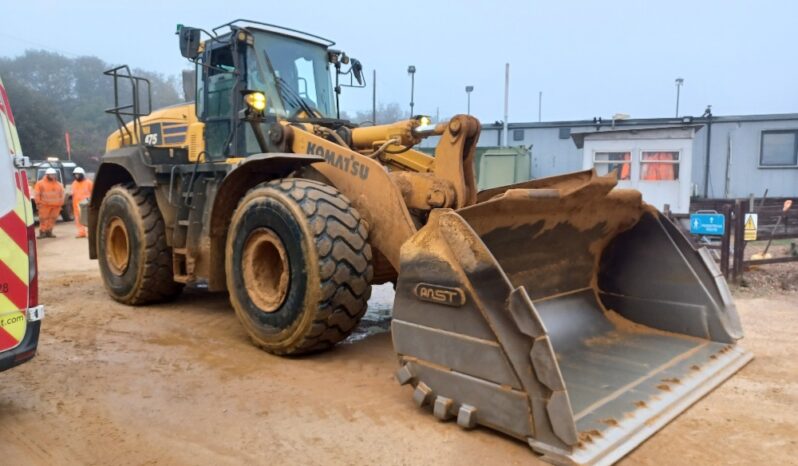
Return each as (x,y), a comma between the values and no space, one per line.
(659,165)
(779,148)
(613,163)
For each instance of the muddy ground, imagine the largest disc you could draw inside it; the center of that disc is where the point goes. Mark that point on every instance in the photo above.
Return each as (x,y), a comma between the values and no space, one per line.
(762,280)
(181,384)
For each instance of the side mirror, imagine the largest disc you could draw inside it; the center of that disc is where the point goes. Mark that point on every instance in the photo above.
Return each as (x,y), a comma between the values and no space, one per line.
(357,70)
(189,42)
(20,161)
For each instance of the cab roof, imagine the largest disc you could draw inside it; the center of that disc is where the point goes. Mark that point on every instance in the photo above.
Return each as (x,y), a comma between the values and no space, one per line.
(249,24)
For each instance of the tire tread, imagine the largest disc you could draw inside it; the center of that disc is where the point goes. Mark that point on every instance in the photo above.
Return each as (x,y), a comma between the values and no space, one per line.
(341,238)
(157,283)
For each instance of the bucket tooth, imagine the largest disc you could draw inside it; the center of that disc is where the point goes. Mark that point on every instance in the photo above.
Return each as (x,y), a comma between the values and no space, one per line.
(443,408)
(403,375)
(422,394)
(467,417)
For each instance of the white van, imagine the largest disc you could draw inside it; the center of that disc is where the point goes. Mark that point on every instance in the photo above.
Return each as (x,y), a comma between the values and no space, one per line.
(20,311)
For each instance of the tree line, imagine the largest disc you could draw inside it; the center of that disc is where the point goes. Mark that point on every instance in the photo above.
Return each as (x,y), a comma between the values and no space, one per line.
(386,113)
(51,95)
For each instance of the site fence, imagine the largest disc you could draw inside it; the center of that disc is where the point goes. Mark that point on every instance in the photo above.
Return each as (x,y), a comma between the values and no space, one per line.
(731,245)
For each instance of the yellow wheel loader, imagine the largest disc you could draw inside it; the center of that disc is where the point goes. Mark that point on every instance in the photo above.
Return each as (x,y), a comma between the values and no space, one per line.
(561,311)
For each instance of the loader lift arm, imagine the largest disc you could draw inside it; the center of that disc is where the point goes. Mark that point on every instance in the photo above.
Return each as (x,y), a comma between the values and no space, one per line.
(412,181)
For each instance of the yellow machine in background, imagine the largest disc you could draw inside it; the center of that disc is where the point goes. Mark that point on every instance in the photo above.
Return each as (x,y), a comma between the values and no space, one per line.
(562,311)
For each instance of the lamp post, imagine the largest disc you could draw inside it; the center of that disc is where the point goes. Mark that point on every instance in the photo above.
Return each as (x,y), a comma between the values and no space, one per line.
(469,89)
(411,70)
(540,106)
(679,84)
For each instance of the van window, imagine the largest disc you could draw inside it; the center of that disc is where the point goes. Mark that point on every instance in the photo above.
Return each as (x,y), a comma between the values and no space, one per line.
(68,177)
(40,174)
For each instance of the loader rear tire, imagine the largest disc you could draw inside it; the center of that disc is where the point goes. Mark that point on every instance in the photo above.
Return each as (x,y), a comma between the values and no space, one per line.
(298,266)
(135,261)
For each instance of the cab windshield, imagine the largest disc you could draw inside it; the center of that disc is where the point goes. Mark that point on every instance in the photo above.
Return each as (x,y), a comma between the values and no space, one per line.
(296,70)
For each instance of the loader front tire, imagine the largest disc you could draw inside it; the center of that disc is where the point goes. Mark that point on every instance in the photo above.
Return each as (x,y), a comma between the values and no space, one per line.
(298,266)
(135,261)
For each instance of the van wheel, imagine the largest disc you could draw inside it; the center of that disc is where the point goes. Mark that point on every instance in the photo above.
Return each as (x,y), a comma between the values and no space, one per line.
(135,261)
(298,266)
(66,211)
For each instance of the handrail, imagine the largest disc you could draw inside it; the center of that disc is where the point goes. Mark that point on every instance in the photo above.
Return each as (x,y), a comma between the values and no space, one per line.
(133,109)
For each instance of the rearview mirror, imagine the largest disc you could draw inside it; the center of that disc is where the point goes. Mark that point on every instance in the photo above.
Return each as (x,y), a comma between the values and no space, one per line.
(189,42)
(357,70)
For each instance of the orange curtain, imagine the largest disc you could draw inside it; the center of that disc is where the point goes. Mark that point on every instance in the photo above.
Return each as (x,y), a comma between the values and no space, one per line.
(653,171)
(626,168)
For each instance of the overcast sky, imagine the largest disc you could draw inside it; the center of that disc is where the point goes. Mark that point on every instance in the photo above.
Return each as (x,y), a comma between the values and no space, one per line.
(589,58)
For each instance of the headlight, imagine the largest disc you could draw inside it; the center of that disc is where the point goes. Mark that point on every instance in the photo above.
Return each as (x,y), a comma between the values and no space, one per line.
(256,101)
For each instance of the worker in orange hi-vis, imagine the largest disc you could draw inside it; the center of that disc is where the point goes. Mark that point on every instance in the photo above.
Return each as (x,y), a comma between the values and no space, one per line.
(81,189)
(49,195)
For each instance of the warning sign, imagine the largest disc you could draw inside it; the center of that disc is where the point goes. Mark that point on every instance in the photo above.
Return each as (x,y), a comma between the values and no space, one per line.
(751,221)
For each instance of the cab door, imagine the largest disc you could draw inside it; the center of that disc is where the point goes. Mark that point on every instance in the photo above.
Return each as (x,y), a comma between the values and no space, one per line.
(218,97)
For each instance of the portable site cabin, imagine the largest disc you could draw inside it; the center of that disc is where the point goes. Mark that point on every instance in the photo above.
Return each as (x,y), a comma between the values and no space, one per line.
(733,156)
(657,161)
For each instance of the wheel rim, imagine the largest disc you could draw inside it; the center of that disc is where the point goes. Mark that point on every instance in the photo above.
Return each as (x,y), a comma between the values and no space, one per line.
(117,250)
(266,270)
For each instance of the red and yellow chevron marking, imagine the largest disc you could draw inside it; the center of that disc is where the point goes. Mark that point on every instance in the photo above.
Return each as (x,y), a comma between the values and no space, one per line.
(14,266)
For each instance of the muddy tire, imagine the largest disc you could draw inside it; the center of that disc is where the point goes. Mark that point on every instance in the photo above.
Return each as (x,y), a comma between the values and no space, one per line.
(298,266)
(135,261)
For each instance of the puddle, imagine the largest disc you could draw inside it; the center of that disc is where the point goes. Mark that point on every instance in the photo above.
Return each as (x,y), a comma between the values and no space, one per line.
(378,316)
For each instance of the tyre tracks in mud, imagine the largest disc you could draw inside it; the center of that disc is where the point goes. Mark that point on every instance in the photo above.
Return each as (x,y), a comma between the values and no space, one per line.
(180,383)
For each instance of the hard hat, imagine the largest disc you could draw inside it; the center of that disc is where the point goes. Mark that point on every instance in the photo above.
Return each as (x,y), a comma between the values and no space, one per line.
(78,171)
(50,171)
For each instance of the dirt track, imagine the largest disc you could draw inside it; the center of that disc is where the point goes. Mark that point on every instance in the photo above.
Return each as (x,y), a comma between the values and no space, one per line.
(181,384)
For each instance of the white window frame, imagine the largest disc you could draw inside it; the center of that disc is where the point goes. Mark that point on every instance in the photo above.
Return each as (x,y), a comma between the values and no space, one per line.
(607,162)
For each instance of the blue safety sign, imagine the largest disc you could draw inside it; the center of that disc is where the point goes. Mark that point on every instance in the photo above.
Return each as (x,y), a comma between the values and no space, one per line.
(712,224)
